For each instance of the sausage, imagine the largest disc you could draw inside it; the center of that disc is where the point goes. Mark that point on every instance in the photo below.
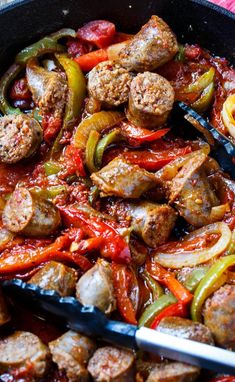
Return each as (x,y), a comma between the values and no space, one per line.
(181,327)
(174,372)
(109,83)
(151,47)
(153,222)
(120,178)
(49,89)
(110,364)
(150,101)
(56,276)
(95,287)
(219,316)
(30,215)
(20,137)
(4,313)
(71,353)
(24,350)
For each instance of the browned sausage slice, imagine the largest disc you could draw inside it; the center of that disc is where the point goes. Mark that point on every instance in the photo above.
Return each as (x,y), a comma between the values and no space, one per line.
(151,47)
(95,287)
(71,353)
(29,215)
(110,364)
(20,137)
(150,101)
(24,350)
(174,372)
(109,83)
(56,276)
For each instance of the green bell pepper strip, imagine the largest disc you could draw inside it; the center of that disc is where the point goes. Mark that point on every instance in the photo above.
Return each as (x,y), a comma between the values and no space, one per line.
(180,56)
(5,82)
(153,285)
(43,46)
(202,82)
(49,193)
(194,278)
(109,138)
(202,104)
(64,32)
(155,308)
(92,142)
(51,168)
(213,279)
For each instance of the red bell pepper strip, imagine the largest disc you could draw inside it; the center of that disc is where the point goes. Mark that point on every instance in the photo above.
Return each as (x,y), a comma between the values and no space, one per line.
(178,309)
(90,60)
(89,245)
(113,246)
(223,379)
(98,32)
(167,278)
(120,281)
(153,161)
(73,161)
(137,135)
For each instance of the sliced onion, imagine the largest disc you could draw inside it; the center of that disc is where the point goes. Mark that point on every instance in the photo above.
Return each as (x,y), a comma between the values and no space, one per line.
(192,258)
(228,113)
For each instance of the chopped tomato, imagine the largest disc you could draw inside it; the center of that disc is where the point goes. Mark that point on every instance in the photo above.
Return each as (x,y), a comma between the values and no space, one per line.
(73,161)
(192,52)
(98,32)
(20,90)
(51,126)
(90,60)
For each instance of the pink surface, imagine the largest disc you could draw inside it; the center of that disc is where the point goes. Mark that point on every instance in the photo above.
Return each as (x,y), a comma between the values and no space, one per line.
(229,4)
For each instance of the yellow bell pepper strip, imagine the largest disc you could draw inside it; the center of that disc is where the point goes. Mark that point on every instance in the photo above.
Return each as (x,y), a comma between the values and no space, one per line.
(51,168)
(92,142)
(43,46)
(194,278)
(213,279)
(155,287)
(98,121)
(64,32)
(155,308)
(5,82)
(202,104)
(108,139)
(228,114)
(202,82)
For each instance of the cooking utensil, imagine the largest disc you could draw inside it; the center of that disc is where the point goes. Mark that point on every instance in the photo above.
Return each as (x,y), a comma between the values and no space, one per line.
(90,321)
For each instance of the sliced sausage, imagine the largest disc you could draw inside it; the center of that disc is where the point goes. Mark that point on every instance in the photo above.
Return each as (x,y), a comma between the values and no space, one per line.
(29,215)
(95,287)
(150,101)
(110,364)
(56,276)
(49,89)
(181,327)
(71,353)
(4,313)
(153,222)
(174,372)
(219,316)
(120,178)
(151,47)
(109,83)
(24,350)
(20,137)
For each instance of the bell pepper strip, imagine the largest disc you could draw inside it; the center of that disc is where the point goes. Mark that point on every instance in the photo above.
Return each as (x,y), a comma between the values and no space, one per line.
(91,145)
(153,161)
(48,193)
(194,278)
(203,103)
(98,121)
(223,379)
(167,278)
(73,161)
(227,114)
(155,309)
(124,304)
(86,245)
(108,139)
(5,83)
(178,309)
(155,287)
(64,32)
(113,247)
(90,60)
(98,32)
(137,135)
(39,48)
(202,82)
(52,168)
(213,279)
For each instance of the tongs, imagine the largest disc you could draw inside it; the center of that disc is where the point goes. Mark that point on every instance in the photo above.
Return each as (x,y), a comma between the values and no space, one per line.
(90,321)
